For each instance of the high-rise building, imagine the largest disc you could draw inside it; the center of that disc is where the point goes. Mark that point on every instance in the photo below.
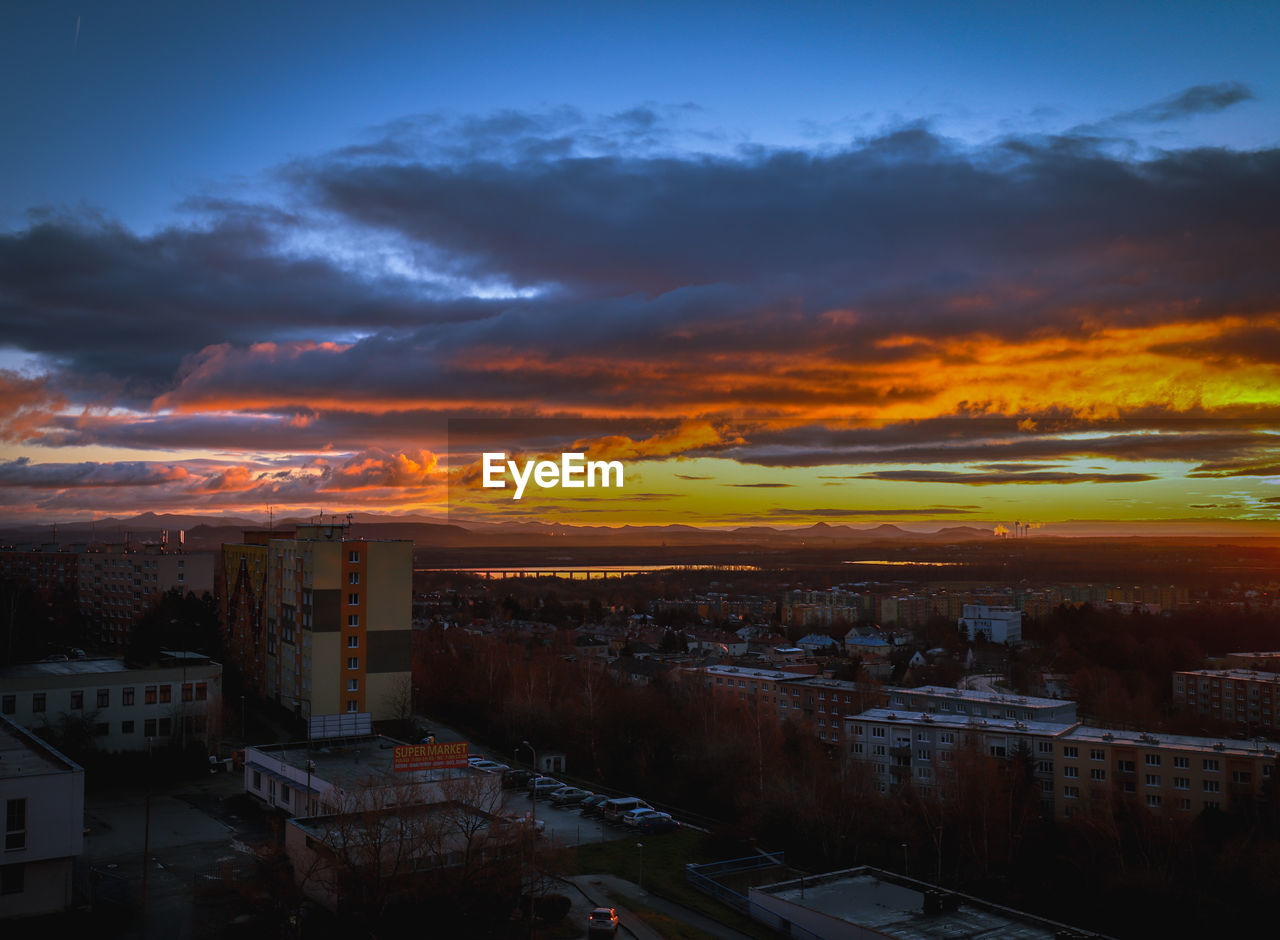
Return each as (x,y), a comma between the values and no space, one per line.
(320,621)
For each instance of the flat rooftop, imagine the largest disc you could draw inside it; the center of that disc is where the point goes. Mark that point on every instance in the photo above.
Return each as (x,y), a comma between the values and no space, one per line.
(1255,675)
(893,906)
(100,667)
(348,761)
(978,695)
(22,754)
(961,722)
(1210,746)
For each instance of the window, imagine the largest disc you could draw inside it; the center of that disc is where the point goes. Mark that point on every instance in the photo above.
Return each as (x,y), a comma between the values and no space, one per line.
(353,557)
(924,754)
(922,735)
(13,879)
(15,824)
(1097,754)
(126,727)
(77,700)
(126,695)
(202,691)
(1210,765)
(353,620)
(877,732)
(1241,776)
(1181,763)
(284,793)
(1153,760)
(1126,766)
(1212,786)
(104,698)
(1044,747)
(1071,793)
(1153,780)
(37,701)
(353,705)
(9,705)
(188,692)
(149,727)
(1128,786)
(353,662)
(149,695)
(1070,752)
(947,737)
(353,599)
(1153,800)
(1097,774)
(166,694)
(353,643)
(879,750)
(257,780)
(1182,783)
(1211,804)
(353,577)
(353,685)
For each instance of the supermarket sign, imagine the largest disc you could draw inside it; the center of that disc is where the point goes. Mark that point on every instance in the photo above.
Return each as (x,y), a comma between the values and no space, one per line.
(429,756)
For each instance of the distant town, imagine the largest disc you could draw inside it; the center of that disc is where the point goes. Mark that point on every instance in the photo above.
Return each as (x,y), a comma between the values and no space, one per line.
(336,731)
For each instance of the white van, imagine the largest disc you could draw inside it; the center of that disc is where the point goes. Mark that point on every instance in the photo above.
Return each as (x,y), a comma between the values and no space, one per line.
(612,810)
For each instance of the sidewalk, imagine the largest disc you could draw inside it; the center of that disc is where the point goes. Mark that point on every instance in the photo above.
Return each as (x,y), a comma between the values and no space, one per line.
(597,888)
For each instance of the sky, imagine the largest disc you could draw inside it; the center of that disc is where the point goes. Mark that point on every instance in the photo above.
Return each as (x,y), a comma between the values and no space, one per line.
(928,263)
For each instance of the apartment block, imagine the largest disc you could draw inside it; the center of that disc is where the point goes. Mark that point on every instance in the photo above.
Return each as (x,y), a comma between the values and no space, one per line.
(319,621)
(112,584)
(1243,696)
(1097,767)
(920,750)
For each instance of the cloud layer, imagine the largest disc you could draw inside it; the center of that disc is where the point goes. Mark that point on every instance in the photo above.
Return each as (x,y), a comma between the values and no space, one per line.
(526,265)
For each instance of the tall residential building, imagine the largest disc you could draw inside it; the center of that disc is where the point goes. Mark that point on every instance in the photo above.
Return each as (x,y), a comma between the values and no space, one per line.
(319,621)
(113,583)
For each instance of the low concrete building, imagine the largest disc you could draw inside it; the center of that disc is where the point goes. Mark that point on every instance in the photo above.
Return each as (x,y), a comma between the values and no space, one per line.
(42,799)
(336,775)
(177,700)
(860,903)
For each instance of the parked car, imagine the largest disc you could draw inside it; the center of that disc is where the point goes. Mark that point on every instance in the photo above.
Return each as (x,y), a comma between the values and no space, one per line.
(569,796)
(490,766)
(475,758)
(523,819)
(591,804)
(544,786)
(659,823)
(513,779)
(613,809)
(602,922)
(632,818)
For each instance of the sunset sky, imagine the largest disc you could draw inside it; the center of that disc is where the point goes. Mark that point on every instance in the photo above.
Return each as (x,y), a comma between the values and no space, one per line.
(930,263)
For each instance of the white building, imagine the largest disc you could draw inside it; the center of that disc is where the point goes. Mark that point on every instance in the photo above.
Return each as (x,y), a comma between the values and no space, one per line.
(42,799)
(121,707)
(997,624)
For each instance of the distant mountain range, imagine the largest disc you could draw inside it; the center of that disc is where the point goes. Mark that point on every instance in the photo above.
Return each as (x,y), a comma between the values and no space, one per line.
(203,532)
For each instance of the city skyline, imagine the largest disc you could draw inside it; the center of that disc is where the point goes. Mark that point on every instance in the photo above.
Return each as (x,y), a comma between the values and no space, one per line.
(813,263)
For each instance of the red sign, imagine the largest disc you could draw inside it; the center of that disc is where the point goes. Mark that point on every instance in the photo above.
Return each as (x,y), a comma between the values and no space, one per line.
(429,756)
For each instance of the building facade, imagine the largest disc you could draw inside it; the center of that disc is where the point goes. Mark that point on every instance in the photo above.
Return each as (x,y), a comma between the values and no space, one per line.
(321,622)
(965,703)
(42,801)
(1243,696)
(1098,767)
(119,708)
(997,624)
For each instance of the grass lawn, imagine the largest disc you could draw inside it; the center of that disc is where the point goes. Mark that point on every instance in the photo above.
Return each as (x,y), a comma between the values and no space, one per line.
(665,856)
